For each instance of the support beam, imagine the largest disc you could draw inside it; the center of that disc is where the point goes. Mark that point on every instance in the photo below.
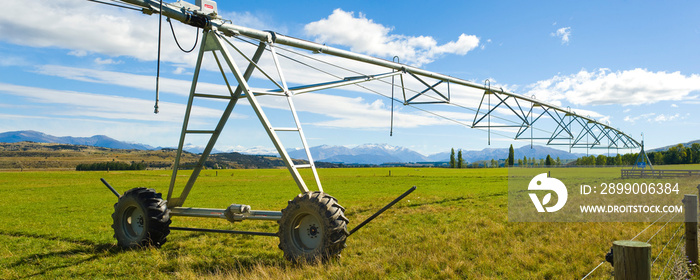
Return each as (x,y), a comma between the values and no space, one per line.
(235,95)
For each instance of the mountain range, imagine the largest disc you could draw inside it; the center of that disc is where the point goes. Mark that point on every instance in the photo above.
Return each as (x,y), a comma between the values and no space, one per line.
(362,154)
(383,153)
(534,151)
(97,140)
(102,141)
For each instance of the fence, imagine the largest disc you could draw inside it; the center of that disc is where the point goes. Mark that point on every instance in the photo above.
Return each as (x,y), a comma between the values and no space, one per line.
(657,173)
(656,251)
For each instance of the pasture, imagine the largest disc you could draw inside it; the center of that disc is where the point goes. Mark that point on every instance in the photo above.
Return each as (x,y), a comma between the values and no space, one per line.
(454,226)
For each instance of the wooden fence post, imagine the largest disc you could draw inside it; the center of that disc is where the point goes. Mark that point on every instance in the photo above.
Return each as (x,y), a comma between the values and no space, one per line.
(632,260)
(690,205)
(698,193)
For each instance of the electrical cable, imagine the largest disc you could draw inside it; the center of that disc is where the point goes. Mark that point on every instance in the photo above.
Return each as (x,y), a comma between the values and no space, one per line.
(374,91)
(197,39)
(391,130)
(414,91)
(385,82)
(178,43)
(389,83)
(160,23)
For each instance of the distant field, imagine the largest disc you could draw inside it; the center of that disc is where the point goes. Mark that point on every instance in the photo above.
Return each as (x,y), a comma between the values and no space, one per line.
(57,225)
(51,156)
(29,155)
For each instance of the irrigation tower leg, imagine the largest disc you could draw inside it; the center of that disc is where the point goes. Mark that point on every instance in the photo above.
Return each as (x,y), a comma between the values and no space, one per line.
(235,95)
(212,41)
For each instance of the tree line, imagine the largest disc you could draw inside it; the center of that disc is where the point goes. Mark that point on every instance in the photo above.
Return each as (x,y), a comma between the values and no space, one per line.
(112,165)
(459,162)
(678,154)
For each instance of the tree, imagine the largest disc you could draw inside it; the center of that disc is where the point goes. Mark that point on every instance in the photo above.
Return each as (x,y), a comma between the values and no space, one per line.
(520,162)
(460,160)
(695,150)
(618,160)
(494,163)
(511,156)
(600,160)
(452,158)
(673,155)
(548,161)
(558,162)
(525,161)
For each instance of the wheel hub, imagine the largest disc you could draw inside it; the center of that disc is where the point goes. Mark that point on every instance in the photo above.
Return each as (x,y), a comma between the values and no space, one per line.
(308,232)
(135,222)
(313,231)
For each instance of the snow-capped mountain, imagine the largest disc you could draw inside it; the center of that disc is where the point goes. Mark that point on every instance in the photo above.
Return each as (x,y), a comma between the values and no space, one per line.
(362,154)
(535,151)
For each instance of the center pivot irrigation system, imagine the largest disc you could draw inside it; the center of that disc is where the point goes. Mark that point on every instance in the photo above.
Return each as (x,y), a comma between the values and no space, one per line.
(313,226)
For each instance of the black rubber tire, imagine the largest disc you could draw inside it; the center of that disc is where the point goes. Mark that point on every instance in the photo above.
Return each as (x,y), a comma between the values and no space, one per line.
(141,218)
(313,227)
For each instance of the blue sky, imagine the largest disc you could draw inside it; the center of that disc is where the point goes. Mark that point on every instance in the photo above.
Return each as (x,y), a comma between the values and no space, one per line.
(72,67)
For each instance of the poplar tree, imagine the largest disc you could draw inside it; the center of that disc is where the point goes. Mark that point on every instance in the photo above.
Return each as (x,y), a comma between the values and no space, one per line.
(459,159)
(511,156)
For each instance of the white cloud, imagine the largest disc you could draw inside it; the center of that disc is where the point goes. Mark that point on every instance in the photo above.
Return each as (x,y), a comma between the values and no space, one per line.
(653,117)
(101,61)
(358,113)
(80,104)
(483,46)
(78,53)
(604,120)
(564,33)
(663,118)
(674,106)
(646,116)
(629,87)
(256,21)
(365,36)
(143,82)
(12,61)
(90,28)
(180,71)
(353,112)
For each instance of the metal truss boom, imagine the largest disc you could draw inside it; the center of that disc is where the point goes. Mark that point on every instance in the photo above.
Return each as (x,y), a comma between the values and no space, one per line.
(598,131)
(567,124)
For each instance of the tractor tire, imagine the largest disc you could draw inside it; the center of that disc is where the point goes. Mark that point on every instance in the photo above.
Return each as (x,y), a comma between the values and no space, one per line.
(313,228)
(141,219)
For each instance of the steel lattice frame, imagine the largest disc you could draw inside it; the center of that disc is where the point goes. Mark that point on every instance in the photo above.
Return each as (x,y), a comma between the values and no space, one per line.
(570,129)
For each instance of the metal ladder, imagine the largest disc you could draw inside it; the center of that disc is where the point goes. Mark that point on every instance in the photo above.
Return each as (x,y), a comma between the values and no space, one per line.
(213,42)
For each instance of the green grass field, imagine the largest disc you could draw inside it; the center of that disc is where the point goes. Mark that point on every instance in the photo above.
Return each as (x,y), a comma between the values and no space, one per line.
(454,226)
